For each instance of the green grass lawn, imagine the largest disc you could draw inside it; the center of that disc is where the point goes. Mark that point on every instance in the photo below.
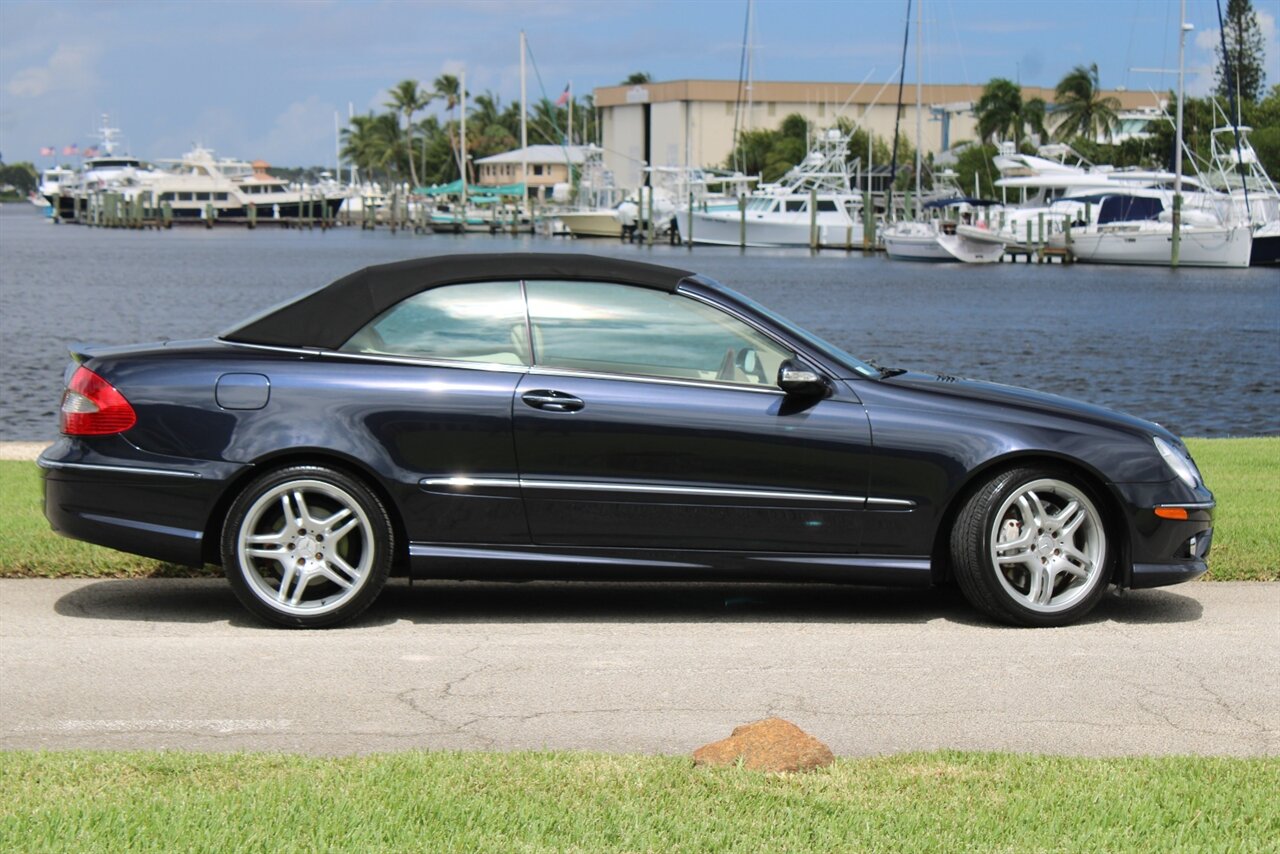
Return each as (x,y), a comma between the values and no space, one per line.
(514,802)
(1243,474)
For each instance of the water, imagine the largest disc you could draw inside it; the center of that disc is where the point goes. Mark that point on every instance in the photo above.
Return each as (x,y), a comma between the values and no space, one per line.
(1196,350)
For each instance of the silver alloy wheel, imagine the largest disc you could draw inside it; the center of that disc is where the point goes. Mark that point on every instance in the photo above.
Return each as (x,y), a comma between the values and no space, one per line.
(305,547)
(1048,546)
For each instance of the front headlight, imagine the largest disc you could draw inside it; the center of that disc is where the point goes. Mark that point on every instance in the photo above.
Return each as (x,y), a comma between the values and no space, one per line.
(1179,462)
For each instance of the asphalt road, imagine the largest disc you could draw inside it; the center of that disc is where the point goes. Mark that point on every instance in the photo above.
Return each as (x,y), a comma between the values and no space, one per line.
(635,668)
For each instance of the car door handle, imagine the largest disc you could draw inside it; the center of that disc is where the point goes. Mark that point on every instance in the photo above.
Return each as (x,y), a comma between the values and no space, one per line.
(552,401)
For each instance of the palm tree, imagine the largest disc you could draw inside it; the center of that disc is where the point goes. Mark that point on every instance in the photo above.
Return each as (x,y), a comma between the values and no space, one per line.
(638,78)
(1081,107)
(1002,113)
(373,143)
(493,136)
(446,86)
(406,99)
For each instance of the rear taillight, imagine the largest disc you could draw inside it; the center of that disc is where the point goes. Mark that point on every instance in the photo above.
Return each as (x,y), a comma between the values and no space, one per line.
(91,406)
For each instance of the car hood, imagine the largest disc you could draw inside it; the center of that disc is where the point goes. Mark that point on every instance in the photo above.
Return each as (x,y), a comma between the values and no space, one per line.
(1027,400)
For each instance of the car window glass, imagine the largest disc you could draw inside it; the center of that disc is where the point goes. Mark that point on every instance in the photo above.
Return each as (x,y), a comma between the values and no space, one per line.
(476,322)
(621,329)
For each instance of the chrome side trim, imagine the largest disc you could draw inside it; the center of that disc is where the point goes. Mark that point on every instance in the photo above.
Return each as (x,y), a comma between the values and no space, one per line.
(463,482)
(422,362)
(539,371)
(891,502)
(466,482)
(54,464)
(688,490)
(376,357)
(1192,505)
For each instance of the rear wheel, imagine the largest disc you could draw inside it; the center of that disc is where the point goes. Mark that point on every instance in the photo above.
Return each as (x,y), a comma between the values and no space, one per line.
(1030,548)
(307,547)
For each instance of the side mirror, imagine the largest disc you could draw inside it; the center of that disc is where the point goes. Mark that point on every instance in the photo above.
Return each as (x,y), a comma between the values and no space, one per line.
(795,377)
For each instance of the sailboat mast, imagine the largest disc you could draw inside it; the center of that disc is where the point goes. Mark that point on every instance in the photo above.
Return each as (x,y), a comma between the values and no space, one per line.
(524,126)
(462,133)
(1183,26)
(750,58)
(919,92)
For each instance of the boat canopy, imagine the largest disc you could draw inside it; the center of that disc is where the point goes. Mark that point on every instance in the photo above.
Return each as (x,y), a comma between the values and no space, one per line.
(1120,208)
(454,188)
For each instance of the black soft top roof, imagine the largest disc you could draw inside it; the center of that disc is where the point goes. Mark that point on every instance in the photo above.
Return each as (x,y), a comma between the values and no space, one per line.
(327,317)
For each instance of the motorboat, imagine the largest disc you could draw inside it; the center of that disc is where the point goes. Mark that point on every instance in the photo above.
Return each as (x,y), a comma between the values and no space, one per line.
(958,232)
(1237,172)
(597,197)
(779,214)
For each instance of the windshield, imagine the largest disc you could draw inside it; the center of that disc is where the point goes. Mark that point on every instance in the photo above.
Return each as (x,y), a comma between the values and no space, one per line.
(853,363)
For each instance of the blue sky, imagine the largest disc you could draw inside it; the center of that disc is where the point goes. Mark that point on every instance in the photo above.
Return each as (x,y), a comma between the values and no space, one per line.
(264,79)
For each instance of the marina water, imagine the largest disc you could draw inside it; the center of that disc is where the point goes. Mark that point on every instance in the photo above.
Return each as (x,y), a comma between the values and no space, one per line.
(1197,350)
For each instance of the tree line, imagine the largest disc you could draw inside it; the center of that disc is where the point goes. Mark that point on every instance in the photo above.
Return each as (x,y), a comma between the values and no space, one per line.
(1081,115)
(397,146)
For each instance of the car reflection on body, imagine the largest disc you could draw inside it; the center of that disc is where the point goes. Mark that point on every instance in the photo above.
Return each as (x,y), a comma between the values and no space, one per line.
(519,416)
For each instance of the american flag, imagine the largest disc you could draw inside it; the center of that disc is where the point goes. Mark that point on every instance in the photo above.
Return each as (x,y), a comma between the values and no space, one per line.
(91,151)
(69,150)
(564,96)
(48,151)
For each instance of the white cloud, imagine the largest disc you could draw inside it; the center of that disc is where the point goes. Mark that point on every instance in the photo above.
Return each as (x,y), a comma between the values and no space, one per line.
(70,67)
(300,135)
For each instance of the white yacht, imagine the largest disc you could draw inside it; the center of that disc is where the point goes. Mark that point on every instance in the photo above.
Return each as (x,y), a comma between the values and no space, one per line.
(1237,172)
(53,182)
(199,183)
(779,214)
(106,169)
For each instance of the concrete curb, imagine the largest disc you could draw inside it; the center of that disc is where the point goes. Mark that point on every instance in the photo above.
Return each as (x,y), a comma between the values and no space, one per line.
(21,450)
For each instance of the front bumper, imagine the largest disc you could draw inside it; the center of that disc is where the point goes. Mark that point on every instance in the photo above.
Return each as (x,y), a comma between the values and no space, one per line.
(1163,550)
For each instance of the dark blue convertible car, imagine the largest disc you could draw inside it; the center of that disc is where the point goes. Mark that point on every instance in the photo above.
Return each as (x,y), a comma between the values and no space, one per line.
(522,416)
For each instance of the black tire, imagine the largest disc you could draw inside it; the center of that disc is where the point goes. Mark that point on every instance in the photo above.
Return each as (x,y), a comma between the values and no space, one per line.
(1065,566)
(283,517)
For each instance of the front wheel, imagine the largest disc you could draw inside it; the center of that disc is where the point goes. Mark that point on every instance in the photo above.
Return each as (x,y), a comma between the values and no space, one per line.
(1030,548)
(307,547)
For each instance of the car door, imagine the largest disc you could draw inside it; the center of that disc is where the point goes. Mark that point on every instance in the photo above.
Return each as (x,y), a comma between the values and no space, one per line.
(652,420)
(430,383)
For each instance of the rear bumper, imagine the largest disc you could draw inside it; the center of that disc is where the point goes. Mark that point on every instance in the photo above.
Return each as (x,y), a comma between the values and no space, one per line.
(157,509)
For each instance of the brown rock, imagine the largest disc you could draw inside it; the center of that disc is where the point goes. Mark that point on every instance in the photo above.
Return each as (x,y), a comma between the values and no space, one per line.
(769,745)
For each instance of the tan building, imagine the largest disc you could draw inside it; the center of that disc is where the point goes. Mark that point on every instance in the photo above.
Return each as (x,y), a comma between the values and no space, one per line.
(548,166)
(690,122)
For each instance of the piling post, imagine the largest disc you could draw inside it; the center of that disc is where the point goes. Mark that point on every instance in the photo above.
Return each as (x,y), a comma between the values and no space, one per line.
(868,221)
(57,207)
(1177,225)
(253,215)
(813,219)
(652,224)
(742,222)
(688,238)
(166,214)
(208,215)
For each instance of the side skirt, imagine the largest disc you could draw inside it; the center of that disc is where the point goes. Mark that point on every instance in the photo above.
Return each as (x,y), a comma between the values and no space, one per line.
(527,563)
